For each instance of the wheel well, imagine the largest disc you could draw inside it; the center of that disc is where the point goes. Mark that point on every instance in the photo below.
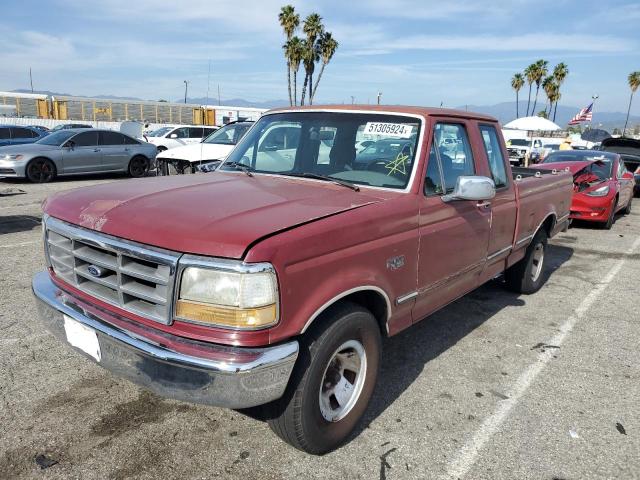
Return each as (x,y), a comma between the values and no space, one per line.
(372,300)
(548,224)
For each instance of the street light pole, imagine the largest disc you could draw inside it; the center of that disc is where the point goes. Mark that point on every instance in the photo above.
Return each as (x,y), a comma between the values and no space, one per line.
(186,84)
(594,97)
(379,97)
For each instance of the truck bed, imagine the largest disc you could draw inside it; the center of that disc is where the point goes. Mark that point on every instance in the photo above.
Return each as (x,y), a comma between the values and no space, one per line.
(540,191)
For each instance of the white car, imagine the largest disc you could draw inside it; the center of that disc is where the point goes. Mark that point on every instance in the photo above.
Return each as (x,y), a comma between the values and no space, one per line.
(172,137)
(214,148)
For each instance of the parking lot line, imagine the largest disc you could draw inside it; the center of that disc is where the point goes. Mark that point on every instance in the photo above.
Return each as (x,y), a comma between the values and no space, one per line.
(22,244)
(466,458)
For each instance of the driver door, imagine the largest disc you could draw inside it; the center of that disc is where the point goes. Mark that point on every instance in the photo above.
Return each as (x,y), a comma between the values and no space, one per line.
(454,235)
(83,155)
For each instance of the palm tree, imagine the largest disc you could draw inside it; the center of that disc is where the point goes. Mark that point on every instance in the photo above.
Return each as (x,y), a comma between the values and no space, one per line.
(517,82)
(634,83)
(549,86)
(540,71)
(530,75)
(327,46)
(289,21)
(313,28)
(560,72)
(293,52)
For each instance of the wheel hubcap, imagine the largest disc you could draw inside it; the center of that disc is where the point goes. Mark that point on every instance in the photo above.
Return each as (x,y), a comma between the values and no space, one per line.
(342,381)
(538,259)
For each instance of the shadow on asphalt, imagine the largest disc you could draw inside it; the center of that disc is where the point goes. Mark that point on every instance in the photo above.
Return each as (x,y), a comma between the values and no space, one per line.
(18,223)
(74,178)
(405,355)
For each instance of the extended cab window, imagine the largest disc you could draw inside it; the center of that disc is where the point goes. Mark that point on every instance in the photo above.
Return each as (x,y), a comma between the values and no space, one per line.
(362,148)
(494,155)
(454,152)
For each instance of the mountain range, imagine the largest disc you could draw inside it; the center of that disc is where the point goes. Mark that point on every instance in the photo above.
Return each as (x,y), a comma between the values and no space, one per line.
(504,112)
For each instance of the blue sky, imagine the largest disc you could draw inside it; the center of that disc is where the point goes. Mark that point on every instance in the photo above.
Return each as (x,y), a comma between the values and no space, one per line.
(414,52)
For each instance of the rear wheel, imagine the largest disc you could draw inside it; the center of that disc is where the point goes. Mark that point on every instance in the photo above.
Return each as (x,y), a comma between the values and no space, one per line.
(41,170)
(332,382)
(527,276)
(138,166)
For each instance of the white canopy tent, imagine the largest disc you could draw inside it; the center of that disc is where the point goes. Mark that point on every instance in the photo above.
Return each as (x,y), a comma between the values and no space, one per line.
(532,124)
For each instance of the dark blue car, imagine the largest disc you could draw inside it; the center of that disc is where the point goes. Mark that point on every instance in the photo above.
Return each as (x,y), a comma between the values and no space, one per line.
(16,135)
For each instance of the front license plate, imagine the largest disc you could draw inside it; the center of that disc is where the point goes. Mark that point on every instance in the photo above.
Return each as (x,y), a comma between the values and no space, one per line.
(82,337)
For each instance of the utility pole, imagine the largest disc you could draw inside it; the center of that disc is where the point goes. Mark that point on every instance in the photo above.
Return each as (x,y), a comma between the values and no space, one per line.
(31,79)
(186,84)
(353,99)
(379,97)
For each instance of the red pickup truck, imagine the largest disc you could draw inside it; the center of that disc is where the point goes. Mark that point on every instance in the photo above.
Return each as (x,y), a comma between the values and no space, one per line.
(272,280)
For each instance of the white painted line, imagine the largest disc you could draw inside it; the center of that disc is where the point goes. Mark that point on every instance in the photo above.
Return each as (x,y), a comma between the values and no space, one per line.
(14,245)
(466,458)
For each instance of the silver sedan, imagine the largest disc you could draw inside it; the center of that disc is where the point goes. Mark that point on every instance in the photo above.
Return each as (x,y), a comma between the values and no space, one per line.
(72,152)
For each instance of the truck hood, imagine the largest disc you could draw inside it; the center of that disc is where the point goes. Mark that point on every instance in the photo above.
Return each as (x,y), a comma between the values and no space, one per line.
(197,152)
(219,214)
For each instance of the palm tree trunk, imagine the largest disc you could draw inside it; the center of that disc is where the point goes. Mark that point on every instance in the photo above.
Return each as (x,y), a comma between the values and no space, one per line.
(628,111)
(529,101)
(533,110)
(310,89)
(315,87)
(304,88)
(517,106)
(555,110)
(295,89)
(289,81)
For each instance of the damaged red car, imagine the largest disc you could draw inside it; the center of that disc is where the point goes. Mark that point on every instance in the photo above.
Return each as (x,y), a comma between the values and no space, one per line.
(602,186)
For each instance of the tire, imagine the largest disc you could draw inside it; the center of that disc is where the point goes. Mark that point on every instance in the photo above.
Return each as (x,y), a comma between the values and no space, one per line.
(40,170)
(609,223)
(627,210)
(138,167)
(311,418)
(527,276)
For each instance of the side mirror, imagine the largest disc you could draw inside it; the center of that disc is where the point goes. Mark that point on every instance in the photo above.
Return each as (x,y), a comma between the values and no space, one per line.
(627,175)
(173,135)
(474,187)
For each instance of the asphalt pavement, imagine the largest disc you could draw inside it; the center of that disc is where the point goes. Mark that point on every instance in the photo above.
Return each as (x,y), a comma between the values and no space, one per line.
(495,386)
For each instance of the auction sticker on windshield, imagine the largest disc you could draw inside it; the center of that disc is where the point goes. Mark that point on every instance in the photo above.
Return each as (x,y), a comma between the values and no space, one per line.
(398,130)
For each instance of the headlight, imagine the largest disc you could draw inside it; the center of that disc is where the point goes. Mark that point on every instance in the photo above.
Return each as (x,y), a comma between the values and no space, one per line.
(232,299)
(13,157)
(599,192)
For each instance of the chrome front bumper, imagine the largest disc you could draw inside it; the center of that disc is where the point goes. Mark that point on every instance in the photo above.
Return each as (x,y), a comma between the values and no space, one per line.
(171,366)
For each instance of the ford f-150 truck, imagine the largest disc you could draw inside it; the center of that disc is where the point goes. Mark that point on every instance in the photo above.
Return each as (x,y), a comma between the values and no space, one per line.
(272,280)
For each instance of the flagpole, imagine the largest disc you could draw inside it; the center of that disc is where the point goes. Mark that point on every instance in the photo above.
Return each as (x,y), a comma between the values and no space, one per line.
(594,97)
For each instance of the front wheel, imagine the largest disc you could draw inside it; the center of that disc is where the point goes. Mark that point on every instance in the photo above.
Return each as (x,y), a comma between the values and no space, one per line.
(332,382)
(41,170)
(138,167)
(527,276)
(612,215)
(627,210)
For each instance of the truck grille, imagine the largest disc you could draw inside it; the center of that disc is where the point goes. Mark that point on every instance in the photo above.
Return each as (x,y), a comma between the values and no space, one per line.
(134,277)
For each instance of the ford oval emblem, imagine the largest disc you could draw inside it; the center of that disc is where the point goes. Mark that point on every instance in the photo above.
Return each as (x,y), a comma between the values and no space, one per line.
(96,271)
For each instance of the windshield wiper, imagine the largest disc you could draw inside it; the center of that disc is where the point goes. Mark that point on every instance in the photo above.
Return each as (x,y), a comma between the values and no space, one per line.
(316,176)
(240,166)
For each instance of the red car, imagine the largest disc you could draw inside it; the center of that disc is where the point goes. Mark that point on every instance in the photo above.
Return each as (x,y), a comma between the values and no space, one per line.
(602,184)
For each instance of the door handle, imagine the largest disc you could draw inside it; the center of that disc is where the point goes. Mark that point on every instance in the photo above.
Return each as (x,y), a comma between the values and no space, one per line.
(483,204)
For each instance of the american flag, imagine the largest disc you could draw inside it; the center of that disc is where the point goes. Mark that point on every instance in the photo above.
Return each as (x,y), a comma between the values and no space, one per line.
(583,115)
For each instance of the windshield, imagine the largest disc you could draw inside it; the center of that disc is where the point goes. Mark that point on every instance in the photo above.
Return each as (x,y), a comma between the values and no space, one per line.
(327,144)
(227,135)
(519,142)
(57,138)
(159,132)
(578,156)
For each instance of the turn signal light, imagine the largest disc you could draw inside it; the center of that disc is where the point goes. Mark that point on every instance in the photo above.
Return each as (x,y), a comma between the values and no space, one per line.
(246,318)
